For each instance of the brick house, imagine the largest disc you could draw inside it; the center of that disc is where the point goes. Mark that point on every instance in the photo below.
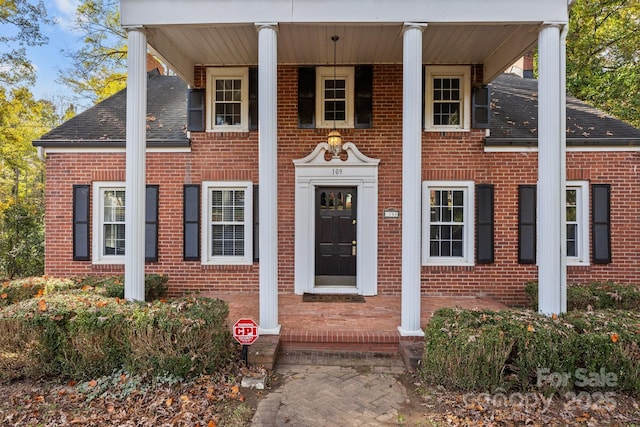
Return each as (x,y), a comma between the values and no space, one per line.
(450,179)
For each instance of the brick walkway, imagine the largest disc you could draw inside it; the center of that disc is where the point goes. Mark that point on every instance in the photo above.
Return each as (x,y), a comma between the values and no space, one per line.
(321,395)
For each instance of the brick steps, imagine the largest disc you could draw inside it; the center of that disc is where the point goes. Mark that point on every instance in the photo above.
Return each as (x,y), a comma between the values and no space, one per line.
(358,344)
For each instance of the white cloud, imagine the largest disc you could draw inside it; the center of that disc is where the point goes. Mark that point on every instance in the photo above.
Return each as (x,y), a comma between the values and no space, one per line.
(65,12)
(67,7)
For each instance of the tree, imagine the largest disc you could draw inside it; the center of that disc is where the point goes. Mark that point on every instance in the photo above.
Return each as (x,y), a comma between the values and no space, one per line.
(22,119)
(603,56)
(19,27)
(98,69)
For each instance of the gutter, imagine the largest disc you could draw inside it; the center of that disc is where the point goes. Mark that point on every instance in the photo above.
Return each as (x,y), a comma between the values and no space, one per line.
(571,142)
(109,144)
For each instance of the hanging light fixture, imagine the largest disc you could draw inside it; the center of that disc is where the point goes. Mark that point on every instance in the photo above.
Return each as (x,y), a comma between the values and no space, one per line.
(334,138)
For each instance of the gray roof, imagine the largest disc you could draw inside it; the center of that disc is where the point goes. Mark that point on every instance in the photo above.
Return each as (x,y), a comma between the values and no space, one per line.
(514,118)
(104,124)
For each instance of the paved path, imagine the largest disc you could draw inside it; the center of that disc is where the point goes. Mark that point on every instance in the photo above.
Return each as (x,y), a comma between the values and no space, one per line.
(355,393)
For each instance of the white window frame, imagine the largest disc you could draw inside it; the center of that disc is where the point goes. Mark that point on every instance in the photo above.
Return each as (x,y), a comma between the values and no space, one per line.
(468,258)
(241,73)
(99,188)
(582,217)
(463,72)
(326,73)
(207,257)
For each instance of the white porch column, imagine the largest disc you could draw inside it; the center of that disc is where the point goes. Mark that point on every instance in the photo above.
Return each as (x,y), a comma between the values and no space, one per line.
(411,174)
(136,135)
(552,279)
(268,175)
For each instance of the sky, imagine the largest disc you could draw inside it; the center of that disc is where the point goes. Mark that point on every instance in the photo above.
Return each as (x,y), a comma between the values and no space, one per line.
(48,59)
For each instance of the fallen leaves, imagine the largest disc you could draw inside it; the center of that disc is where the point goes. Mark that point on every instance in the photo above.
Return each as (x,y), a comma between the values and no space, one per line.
(42,305)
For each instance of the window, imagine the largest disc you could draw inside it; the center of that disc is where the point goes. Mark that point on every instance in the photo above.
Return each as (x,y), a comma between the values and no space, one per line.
(227,210)
(577,211)
(228,99)
(448,231)
(109,222)
(448,98)
(335,98)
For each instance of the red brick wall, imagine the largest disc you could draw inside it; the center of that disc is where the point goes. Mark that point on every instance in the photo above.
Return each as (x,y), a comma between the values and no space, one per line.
(446,156)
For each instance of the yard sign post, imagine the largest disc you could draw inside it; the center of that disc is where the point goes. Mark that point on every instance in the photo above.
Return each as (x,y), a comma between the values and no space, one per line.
(245,331)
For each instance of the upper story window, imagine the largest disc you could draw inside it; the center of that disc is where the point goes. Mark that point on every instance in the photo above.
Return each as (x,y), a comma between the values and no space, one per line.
(448,233)
(228,99)
(228,216)
(109,222)
(335,97)
(448,98)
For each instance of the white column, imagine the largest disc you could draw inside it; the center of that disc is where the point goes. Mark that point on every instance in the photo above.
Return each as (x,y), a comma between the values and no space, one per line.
(268,175)
(411,174)
(136,135)
(552,279)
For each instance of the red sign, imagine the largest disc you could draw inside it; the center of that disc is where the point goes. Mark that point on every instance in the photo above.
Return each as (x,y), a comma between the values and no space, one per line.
(245,331)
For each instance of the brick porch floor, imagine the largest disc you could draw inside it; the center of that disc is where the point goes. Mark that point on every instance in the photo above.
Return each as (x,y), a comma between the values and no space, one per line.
(369,326)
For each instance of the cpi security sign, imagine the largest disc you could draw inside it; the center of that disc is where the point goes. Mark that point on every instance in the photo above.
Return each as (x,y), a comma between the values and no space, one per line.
(245,331)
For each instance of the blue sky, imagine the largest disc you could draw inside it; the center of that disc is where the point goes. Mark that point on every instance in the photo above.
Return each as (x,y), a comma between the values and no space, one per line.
(48,59)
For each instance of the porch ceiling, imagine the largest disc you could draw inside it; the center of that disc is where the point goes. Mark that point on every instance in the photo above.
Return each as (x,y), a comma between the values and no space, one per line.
(495,45)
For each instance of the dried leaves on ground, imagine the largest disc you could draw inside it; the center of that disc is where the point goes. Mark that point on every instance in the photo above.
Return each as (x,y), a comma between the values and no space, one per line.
(122,400)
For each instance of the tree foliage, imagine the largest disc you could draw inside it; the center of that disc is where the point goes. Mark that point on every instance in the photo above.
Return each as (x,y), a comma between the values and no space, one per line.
(22,120)
(19,27)
(98,69)
(603,55)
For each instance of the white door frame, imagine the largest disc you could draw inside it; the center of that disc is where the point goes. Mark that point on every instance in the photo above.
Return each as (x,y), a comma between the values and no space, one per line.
(357,171)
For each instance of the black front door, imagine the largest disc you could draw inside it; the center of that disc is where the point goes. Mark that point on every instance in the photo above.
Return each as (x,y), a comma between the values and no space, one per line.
(335,236)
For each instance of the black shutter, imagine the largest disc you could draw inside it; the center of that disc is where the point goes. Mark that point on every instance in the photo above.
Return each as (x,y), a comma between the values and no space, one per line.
(253,98)
(256,224)
(306,97)
(481,108)
(81,244)
(363,97)
(527,224)
(484,218)
(151,224)
(191,201)
(195,110)
(601,227)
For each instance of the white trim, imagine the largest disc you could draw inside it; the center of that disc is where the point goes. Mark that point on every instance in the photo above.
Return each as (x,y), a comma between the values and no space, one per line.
(582,215)
(208,187)
(468,258)
(241,73)
(357,171)
(97,257)
(70,150)
(464,73)
(326,73)
(534,149)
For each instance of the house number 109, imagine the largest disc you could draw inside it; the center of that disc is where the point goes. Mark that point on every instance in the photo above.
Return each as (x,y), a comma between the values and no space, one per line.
(337,171)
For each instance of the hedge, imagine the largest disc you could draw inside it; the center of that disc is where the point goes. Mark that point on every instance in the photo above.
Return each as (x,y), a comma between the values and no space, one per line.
(521,350)
(83,334)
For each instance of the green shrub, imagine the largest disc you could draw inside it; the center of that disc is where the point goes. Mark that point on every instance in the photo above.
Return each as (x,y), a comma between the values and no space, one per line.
(155,285)
(594,296)
(14,291)
(83,334)
(188,336)
(518,350)
(77,334)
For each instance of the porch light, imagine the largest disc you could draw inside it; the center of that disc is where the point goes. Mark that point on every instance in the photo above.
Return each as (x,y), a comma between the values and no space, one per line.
(334,139)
